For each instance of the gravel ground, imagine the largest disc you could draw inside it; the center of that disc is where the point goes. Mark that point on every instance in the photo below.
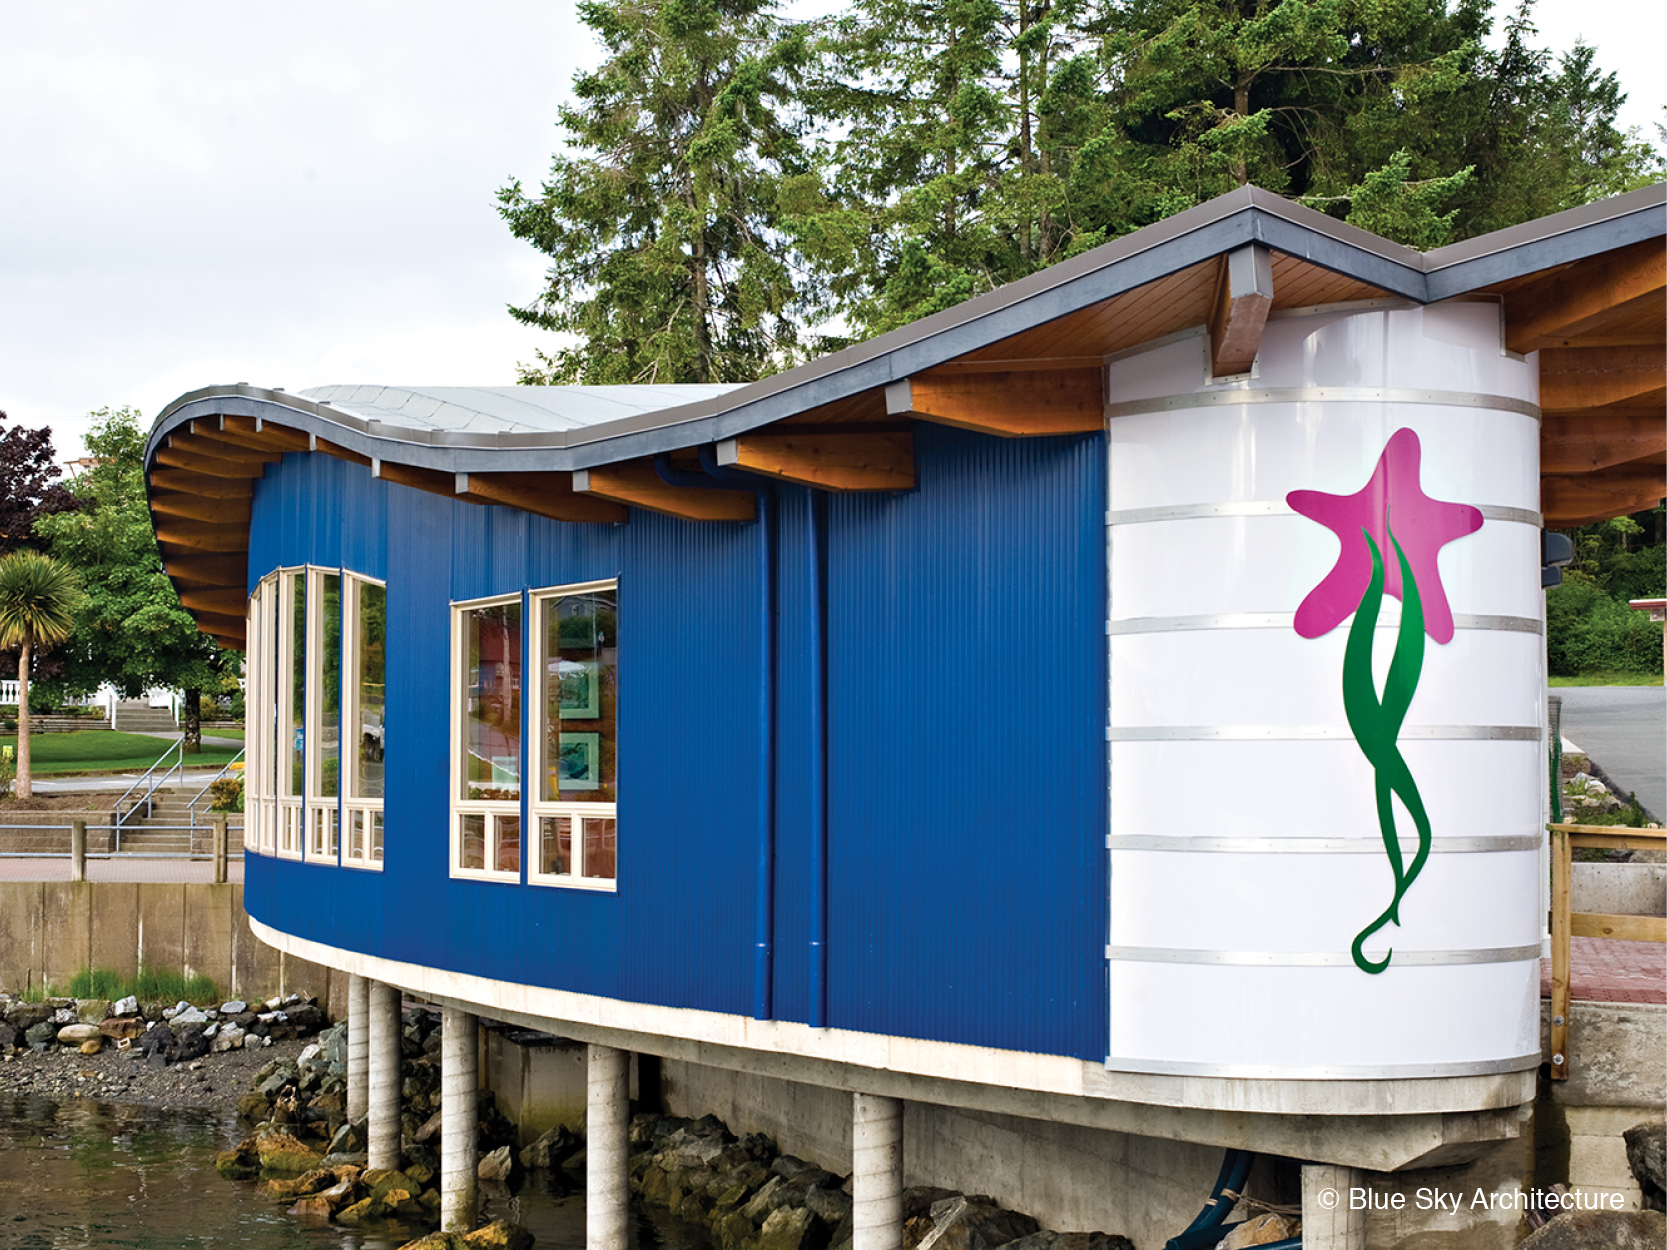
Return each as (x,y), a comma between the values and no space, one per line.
(212,1083)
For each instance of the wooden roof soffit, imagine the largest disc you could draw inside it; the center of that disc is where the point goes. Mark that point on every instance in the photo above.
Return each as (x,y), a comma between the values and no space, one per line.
(1568,500)
(1244,297)
(255,434)
(176,456)
(230,631)
(197,508)
(208,571)
(635,482)
(1585,301)
(1584,442)
(201,484)
(227,601)
(543,494)
(1592,377)
(201,536)
(1008,403)
(848,458)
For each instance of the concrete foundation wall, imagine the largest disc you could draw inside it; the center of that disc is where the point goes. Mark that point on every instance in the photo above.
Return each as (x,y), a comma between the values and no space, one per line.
(1619,889)
(536,1080)
(50,930)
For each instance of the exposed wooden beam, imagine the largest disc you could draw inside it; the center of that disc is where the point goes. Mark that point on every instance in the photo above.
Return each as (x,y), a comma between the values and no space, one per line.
(201,536)
(201,484)
(1573,499)
(852,459)
(340,453)
(227,601)
(260,434)
(1243,300)
(210,465)
(1587,298)
(1009,404)
(191,440)
(1582,442)
(543,494)
(1572,378)
(635,482)
(197,508)
(231,630)
(434,481)
(207,570)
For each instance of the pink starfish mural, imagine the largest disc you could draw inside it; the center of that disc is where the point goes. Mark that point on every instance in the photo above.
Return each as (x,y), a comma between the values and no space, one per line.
(1392,497)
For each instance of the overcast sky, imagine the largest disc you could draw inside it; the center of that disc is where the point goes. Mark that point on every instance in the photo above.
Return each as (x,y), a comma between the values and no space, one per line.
(300,194)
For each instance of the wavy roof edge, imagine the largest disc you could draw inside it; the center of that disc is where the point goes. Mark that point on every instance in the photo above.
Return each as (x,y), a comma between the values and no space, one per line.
(585,434)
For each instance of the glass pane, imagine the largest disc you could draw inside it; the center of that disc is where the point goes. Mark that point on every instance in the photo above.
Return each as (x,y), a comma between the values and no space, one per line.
(297,710)
(555,844)
(580,691)
(330,685)
(506,854)
(355,835)
(471,842)
(600,834)
(492,710)
(376,837)
(371,695)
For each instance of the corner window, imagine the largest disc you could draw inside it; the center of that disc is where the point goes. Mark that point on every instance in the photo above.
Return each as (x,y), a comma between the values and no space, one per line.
(364,670)
(487,648)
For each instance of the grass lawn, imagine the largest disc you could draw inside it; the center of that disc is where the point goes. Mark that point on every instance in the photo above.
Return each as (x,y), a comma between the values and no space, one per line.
(214,729)
(1609,679)
(100,749)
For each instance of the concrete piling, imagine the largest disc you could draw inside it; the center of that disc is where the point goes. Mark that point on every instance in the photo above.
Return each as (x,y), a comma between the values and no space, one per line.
(384,1082)
(607,1113)
(358,1047)
(459,1067)
(876,1172)
(1329,1221)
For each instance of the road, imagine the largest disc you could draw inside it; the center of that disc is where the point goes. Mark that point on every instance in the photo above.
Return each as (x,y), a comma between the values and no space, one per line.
(1624,730)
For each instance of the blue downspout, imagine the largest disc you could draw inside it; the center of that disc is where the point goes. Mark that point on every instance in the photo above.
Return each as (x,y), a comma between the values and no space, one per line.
(816,517)
(764,908)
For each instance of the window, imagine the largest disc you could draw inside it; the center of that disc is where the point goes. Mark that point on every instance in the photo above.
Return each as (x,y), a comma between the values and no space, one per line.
(315,666)
(536,748)
(573,808)
(486,739)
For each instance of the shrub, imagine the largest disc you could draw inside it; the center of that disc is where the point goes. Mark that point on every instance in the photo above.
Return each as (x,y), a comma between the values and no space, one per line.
(1588,631)
(226,794)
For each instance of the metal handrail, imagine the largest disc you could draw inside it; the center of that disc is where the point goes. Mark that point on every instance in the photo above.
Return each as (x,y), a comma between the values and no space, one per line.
(197,797)
(1567,923)
(120,816)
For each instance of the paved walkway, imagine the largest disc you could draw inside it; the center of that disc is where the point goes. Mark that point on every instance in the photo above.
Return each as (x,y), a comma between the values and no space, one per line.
(1604,970)
(122,868)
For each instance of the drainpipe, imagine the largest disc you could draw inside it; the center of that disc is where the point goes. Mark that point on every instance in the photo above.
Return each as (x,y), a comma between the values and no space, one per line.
(764,910)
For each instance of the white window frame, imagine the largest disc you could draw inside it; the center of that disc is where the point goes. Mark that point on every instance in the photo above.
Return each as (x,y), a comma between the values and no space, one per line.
(359,813)
(491,810)
(254,705)
(322,813)
(289,810)
(538,809)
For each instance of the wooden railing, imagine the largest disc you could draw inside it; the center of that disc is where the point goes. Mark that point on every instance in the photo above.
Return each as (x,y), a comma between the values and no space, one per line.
(1566,924)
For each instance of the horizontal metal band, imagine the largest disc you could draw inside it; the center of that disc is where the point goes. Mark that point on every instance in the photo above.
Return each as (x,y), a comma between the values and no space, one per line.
(1323,395)
(1323,1072)
(1318,959)
(1278,507)
(1315,846)
(1287,620)
(1315,733)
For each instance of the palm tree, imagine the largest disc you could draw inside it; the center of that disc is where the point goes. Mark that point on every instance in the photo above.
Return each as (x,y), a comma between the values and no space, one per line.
(38,597)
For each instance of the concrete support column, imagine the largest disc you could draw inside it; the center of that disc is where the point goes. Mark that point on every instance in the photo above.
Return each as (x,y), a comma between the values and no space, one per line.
(459,1066)
(358,1047)
(384,1082)
(607,1115)
(876,1173)
(1328,1222)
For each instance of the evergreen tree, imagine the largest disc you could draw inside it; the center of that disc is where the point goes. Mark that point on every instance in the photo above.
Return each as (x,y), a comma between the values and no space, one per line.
(665,257)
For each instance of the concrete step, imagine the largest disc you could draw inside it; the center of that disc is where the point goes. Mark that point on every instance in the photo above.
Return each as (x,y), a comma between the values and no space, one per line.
(138,716)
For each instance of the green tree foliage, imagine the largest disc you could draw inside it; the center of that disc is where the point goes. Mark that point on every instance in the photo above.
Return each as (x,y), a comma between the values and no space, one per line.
(38,597)
(665,259)
(130,629)
(28,488)
(1589,627)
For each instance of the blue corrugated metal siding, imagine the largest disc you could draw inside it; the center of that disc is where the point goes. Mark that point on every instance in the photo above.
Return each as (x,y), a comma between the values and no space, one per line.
(793,857)
(966,680)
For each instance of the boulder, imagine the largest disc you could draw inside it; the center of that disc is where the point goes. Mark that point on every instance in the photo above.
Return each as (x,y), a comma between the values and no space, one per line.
(75,1034)
(349,1138)
(230,1037)
(128,1006)
(8,1038)
(498,1165)
(430,1129)
(235,1007)
(1646,1146)
(92,1046)
(315,1208)
(92,1010)
(283,1153)
(238,1165)
(40,1034)
(1260,1230)
(191,1045)
(549,1150)
(787,1228)
(118,1027)
(1600,1230)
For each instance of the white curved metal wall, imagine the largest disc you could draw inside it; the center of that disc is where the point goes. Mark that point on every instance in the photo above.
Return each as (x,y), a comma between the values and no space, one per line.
(1245,846)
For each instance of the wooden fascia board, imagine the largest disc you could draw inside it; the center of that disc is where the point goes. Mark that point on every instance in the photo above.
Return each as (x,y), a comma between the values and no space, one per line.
(201,484)
(1009,404)
(1582,300)
(1583,442)
(201,508)
(636,483)
(846,460)
(543,494)
(1574,378)
(1244,297)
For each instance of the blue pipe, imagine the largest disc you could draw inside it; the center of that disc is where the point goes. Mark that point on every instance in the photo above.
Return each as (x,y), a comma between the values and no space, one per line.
(1206,1228)
(816,518)
(764,907)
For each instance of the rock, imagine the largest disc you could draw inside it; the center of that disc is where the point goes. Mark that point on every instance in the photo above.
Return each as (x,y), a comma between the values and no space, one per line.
(919,1199)
(117,1027)
(550,1150)
(283,1153)
(1600,1230)
(75,1034)
(735,1230)
(230,1037)
(39,1034)
(764,1203)
(253,1106)
(233,1008)
(357,1213)
(829,1205)
(128,1006)
(316,1208)
(787,1228)
(92,1046)
(1259,1230)
(498,1235)
(498,1165)
(63,1015)
(92,1010)
(187,1018)
(962,1223)
(349,1138)
(1646,1146)
(237,1165)
(8,1038)
(191,1045)
(431,1128)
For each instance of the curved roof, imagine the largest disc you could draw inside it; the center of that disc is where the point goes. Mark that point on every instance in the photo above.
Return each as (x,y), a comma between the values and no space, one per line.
(1025,359)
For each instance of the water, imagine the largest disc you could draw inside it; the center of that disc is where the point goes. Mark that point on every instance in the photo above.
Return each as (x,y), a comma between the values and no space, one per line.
(90,1174)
